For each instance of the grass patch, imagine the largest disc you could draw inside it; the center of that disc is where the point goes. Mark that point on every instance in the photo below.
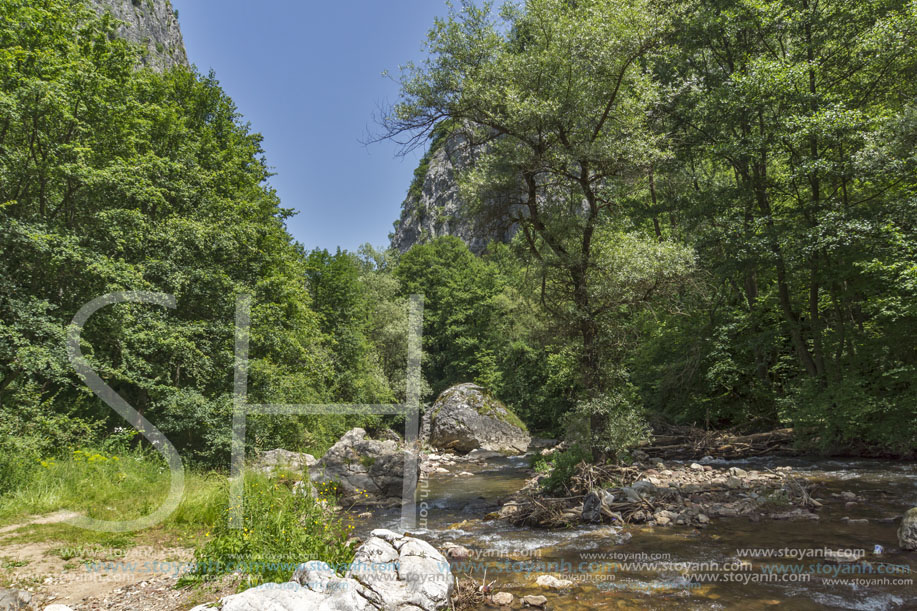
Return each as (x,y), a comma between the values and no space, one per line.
(282,527)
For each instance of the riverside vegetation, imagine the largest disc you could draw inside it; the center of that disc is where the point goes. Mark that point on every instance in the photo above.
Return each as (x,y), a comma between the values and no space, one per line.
(715,205)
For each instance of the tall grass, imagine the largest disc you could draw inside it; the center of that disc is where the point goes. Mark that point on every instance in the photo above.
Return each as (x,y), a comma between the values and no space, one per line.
(282,526)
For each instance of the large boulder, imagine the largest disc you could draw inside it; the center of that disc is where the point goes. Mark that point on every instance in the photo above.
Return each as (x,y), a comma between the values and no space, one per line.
(366,471)
(907,532)
(389,571)
(466,418)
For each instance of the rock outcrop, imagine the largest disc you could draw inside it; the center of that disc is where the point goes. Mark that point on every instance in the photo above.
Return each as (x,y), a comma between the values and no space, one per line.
(367,471)
(153,24)
(466,418)
(434,206)
(907,532)
(389,571)
(276,460)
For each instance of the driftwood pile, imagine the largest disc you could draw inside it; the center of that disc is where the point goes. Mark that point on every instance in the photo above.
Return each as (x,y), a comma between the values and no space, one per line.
(691,442)
(642,493)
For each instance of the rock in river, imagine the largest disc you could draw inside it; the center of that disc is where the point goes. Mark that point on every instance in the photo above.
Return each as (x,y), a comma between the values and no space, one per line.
(466,418)
(907,532)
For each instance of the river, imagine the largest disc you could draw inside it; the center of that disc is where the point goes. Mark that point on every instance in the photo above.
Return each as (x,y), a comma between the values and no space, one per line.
(722,566)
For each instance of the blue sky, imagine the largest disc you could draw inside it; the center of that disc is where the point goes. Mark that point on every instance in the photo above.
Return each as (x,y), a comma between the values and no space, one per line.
(308,76)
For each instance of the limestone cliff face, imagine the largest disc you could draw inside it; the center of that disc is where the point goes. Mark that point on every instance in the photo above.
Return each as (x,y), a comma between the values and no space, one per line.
(434,207)
(153,25)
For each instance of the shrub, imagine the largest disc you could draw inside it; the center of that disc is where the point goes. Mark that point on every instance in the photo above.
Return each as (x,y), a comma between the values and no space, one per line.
(281,528)
(30,431)
(625,426)
(563,468)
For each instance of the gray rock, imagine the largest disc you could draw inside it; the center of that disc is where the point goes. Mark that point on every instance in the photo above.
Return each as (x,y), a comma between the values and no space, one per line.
(278,459)
(273,596)
(465,418)
(389,572)
(153,25)
(434,208)
(552,582)
(502,599)
(368,471)
(907,532)
(534,601)
(424,578)
(456,552)
(596,505)
(480,455)
(13,600)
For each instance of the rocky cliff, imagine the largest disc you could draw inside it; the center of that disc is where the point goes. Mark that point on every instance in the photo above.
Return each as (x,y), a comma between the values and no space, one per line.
(153,24)
(434,207)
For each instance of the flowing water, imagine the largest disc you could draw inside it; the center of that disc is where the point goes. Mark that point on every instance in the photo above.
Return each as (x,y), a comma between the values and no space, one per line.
(665,568)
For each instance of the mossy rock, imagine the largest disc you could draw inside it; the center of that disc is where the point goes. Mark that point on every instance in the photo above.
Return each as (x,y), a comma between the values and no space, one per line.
(466,418)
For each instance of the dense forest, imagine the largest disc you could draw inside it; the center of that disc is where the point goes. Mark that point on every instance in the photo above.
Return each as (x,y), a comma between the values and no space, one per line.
(716,212)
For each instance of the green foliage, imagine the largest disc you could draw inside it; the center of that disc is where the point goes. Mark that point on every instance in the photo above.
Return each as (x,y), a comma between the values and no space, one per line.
(344,304)
(144,181)
(34,432)
(459,311)
(563,467)
(281,529)
(623,426)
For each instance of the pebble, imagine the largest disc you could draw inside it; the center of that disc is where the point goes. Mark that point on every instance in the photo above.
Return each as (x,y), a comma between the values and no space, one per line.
(534,601)
(502,599)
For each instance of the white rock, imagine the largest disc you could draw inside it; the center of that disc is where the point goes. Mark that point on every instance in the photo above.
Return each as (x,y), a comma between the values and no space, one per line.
(550,581)
(502,599)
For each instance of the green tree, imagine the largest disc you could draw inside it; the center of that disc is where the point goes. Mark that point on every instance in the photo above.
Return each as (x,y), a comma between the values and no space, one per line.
(459,311)
(775,111)
(555,103)
(118,178)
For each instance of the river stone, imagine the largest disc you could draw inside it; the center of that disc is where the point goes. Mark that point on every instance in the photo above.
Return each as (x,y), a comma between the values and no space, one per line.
(550,581)
(456,552)
(389,571)
(907,532)
(502,599)
(534,601)
(424,579)
(367,470)
(596,504)
(273,596)
(465,418)
(273,460)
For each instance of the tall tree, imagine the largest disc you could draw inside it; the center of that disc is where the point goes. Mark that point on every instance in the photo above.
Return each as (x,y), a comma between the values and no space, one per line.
(554,99)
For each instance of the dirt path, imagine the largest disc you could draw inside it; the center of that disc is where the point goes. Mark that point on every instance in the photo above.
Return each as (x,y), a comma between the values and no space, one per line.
(94,577)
